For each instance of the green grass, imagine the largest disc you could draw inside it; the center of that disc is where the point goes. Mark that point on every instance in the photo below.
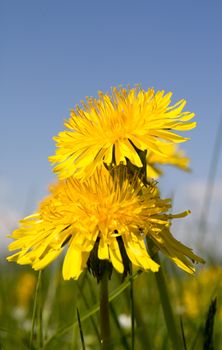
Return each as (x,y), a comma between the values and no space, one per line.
(50,309)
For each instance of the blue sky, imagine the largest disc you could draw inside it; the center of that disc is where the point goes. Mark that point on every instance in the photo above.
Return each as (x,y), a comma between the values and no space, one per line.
(54,53)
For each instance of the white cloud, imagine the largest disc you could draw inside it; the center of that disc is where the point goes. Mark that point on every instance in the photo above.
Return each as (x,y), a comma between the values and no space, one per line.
(200,202)
(8,219)
(196,190)
(8,222)
(202,225)
(9,216)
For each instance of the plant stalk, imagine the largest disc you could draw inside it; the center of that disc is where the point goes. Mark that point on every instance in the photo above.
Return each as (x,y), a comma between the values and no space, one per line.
(167,309)
(104,312)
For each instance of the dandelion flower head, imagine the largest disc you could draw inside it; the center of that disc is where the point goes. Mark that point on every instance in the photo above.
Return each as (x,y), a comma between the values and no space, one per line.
(114,127)
(108,209)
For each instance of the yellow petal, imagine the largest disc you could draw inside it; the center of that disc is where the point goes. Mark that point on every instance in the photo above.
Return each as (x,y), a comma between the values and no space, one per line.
(50,256)
(74,263)
(137,253)
(115,256)
(103,251)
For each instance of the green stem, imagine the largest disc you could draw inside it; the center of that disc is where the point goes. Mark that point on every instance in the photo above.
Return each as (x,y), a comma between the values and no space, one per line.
(132,316)
(38,286)
(95,308)
(104,313)
(167,308)
(39,315)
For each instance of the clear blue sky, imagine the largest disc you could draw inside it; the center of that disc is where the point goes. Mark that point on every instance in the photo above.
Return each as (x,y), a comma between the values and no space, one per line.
(54,53)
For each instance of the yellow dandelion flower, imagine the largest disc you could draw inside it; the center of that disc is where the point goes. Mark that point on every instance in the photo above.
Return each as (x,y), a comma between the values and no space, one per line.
(112,128)
(112,211)
(172,155)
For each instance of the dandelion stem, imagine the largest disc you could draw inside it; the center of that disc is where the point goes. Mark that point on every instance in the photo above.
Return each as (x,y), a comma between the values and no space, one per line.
(104,312)
(95,308)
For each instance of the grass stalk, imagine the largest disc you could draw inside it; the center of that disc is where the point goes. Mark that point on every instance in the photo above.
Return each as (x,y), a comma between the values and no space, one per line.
(141,327)
(122,334)
(39,316)
(210,184)
(167,309)
(209,326)
(132,316)
(80,330)
(34,313)
(87,307)
(183,334)
(104,312)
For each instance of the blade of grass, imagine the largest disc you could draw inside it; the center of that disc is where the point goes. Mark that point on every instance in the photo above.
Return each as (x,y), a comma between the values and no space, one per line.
(75,334)
(209,326)
(119,328)
(183,334)
(141,327)
(132,316)
(80,330)
(39,316)
(95,328)
(34,314)
(93,309)
(104,311)
(208,195)
(196,338)
(173,332)
(50,298)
